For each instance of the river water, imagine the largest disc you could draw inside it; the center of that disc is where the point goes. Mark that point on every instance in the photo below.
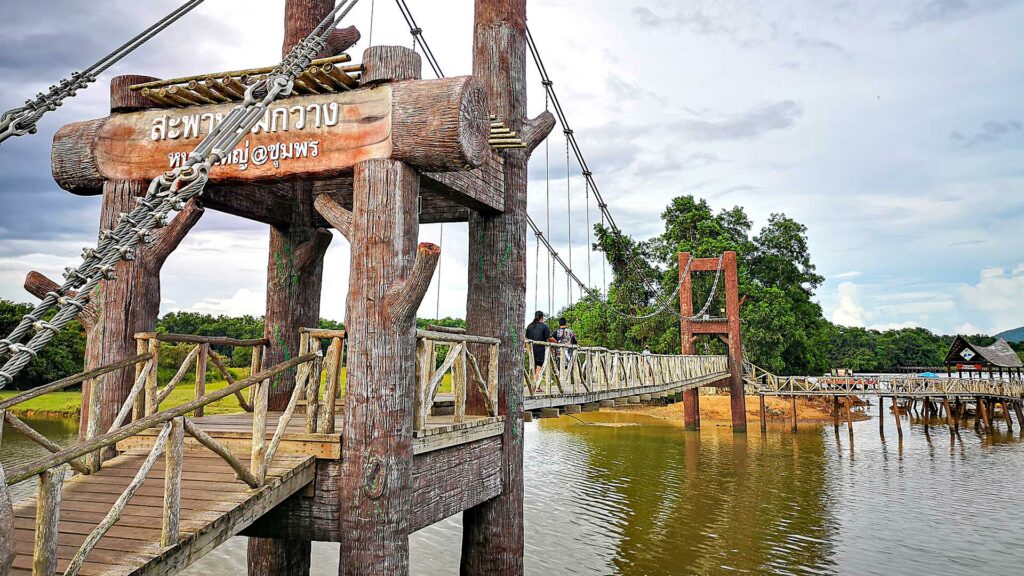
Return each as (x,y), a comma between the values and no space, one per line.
(637,496)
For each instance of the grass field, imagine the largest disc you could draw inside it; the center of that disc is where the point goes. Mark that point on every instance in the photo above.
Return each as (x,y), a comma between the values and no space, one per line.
(69,404)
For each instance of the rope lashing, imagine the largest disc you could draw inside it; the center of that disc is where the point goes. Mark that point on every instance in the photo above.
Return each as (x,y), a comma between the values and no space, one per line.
(166,193)
(22,120)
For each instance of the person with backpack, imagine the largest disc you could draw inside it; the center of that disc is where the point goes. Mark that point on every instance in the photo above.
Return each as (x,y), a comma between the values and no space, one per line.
(538,331)
(565,335)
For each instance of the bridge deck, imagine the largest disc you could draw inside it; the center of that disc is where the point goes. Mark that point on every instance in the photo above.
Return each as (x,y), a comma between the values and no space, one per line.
(582,396)
(215,506)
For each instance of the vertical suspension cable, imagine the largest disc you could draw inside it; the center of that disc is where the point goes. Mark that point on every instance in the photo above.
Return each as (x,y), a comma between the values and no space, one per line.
(536,274)
(369,40)
(547,199)
(590,245)
(440,246)
(568,209)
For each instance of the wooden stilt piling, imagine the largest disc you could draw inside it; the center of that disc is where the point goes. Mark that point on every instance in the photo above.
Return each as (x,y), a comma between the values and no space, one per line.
(793,409)
(881,416)
(835,414)
(849,415)
(896,417)
(764,416)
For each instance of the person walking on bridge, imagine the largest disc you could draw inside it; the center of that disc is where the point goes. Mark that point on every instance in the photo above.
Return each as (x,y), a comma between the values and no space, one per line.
(565,335)
(538,331)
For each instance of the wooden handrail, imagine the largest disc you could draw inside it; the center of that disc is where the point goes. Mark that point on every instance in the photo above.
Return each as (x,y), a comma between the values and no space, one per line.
(30,469)
(72,380)
(194,339)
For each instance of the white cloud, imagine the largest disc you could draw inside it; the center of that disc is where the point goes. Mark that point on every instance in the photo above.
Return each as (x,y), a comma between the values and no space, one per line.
(848,312)
(845,275)
(994,300)
(968,328)
(244,301)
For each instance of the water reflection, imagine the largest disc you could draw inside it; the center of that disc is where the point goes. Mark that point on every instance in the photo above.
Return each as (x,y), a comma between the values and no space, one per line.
(653,500)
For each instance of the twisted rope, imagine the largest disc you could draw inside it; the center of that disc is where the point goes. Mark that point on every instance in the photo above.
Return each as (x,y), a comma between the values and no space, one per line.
(168,192)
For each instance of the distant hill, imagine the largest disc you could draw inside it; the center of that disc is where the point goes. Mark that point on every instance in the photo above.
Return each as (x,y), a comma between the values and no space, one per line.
(1014,335)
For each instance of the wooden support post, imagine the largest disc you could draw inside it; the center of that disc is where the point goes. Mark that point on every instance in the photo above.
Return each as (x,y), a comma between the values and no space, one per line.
(985,414)
(896,416)
(881,416)
(950,421)
(849,415)
(691,397)
(1006,415)
(763,410)
(977,413)
(1020,412)
(388,278)
(174,452)
(334,360)
(492,541)
(7,547)
(152,377)
(926,404)
(201,359)
(793,408)
(737,393)
(44,550)
(294,281)
(835,414)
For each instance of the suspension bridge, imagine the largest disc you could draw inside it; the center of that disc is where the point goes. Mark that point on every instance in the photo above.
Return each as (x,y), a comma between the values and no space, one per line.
(372,150)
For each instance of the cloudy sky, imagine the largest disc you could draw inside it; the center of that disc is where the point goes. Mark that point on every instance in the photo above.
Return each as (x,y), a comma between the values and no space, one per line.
(892,129)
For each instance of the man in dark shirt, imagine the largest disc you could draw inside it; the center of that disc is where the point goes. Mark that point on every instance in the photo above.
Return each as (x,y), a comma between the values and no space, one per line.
(538,331)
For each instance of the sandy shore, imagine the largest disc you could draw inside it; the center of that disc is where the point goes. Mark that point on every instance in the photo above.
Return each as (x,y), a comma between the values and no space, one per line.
(716,408)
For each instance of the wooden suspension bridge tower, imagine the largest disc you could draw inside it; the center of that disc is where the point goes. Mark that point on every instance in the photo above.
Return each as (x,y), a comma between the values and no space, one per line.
(727,328)
(371,150)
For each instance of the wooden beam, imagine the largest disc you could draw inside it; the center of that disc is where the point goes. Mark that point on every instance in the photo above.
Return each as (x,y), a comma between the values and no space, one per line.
(445,482)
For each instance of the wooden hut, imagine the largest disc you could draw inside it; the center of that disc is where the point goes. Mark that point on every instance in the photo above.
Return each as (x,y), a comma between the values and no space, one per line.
(999,358)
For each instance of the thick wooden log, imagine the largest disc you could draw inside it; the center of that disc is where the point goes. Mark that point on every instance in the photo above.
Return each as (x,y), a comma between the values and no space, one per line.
(39,285)
(391,64)
(492,542)
(342,39)
(203,355)
(131,301)
(445,482)
(124,100)
(377,454)
(44,550)
(293,301)
(432,124)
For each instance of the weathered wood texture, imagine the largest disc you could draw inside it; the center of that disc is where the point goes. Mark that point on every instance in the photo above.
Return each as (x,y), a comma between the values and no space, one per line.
(130,302)
(445,482)
(6,519)
(434,124)
(390,63)
(388,278)
(124,100)
(294,281)
(44,549)
(214,506)
(492,541)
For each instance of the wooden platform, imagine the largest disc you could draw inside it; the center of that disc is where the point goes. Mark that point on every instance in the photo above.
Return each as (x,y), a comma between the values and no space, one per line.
(540,401)
(235,430)
(215,506)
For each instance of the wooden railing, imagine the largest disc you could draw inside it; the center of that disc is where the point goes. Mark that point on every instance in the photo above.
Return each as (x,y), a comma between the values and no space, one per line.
(761,381)
(461,363)
(568,369)
(173,423)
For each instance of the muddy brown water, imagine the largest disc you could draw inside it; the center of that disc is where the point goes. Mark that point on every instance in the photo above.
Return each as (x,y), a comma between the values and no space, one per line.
(648,499)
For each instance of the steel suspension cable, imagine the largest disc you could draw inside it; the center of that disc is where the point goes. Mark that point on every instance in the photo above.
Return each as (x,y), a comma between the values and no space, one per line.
(417,35)
(568,208)
(23,120)
(550,93)
(167,193)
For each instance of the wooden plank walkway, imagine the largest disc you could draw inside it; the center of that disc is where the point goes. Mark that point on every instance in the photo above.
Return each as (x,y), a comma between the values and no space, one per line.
(538,401)
(215,506)
(234,431)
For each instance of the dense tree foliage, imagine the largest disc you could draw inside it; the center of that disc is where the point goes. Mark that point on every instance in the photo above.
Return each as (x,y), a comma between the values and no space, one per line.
(783,327)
